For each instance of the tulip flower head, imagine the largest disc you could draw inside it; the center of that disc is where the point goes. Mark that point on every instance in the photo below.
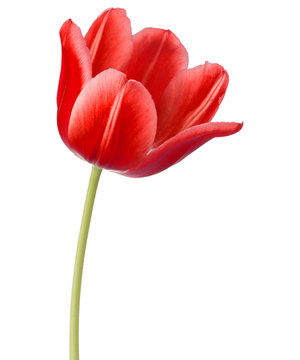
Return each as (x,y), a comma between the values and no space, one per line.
(129,103)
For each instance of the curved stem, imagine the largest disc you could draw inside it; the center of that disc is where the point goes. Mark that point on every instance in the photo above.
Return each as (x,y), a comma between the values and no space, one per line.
(79,260)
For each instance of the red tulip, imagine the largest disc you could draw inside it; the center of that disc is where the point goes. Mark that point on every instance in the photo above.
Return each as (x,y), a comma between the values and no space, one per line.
(129,103)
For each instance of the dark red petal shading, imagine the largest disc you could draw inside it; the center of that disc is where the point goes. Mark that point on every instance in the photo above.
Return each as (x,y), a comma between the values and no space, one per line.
(110,41)
(113,122)
(157,56)
(76,70)
(192,97)
(180,146)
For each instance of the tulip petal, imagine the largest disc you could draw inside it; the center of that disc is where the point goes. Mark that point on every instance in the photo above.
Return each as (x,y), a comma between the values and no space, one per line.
(76,70)
(113,122)
(109,40)
(192,97)
(180,146)
(157,56)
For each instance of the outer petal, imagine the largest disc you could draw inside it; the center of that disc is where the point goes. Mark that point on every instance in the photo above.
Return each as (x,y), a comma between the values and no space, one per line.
(180,146)
(191,98)
(76,70)
(157,56)
(109,40)
(113,121)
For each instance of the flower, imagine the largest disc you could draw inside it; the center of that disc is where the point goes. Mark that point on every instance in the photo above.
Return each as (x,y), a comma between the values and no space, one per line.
(129,103)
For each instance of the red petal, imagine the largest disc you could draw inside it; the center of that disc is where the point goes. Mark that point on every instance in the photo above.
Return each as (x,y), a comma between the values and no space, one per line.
(76,70)
(180,146)
(113,122)
(192,98)
(157,56)
(109,40)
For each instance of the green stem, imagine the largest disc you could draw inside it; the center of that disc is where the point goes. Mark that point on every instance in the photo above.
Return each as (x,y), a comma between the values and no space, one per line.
(77,276)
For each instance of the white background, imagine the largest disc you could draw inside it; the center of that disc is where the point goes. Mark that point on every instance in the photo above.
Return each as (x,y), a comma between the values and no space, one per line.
(198,262)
